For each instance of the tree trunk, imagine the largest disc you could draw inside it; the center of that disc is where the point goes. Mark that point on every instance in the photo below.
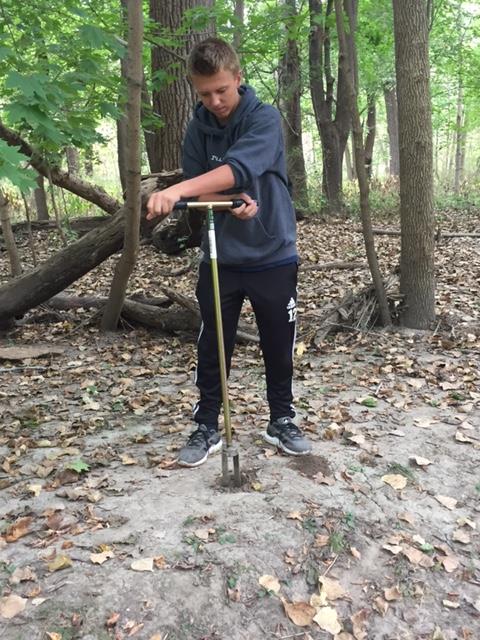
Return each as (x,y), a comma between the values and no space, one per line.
(290,84)
(175,99)
(349,167)
(390,95)
(73,161)
(41,200)
(417,280)
(459,140)
(9,238)
(122,134)
(347,56)
(133,202)
(370,137)
(239,13)
(333,131)
(74,261)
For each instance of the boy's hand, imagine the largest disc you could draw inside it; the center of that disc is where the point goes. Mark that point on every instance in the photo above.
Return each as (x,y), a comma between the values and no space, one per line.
(247,210)
(161,203)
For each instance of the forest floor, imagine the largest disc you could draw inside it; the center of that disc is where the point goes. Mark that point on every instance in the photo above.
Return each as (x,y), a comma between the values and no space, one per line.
(374,536)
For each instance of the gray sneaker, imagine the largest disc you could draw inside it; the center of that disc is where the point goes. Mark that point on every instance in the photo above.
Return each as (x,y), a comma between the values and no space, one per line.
(286,435)
(201,442)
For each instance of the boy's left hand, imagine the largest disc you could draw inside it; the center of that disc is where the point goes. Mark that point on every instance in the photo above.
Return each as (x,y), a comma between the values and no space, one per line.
(161,203)
(247,210)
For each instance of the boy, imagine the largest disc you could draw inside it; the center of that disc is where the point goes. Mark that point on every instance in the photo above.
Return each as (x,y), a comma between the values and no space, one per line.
(233,149)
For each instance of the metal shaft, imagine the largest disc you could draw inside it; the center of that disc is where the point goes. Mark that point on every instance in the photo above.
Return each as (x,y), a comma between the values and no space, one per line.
(219,324)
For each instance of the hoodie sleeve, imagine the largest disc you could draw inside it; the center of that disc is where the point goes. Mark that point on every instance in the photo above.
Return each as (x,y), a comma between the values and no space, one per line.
(258,149)
(194,158)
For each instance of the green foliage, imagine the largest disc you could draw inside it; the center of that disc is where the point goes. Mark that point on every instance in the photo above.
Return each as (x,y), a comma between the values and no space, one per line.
(13,168)
(78,465)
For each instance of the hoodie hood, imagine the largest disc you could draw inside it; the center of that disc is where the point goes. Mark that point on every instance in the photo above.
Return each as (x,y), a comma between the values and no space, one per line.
(208,123)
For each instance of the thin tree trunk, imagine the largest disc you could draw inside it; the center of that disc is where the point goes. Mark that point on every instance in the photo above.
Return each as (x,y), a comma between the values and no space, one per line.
(290,93)
(370,137)
(122,135)
(417,269)
(9,238)
(239,13)
(31,241)
(390,95)
(128,258)
(348,54)
(73,161)
(459,139)
(349,166)
(41,200)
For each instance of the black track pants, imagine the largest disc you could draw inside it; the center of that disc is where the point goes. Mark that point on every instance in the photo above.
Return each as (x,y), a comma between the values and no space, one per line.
(273,296)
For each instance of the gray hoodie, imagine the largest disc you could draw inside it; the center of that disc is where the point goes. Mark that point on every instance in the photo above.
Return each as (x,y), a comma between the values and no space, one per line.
(251,143)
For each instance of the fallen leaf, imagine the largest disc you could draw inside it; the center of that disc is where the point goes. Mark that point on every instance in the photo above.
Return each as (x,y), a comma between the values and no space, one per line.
(421,462)
(461,536)
(461,437)
(269,583)
(300,613)
(36,489)
(53,635)
(359,622)
(11,606)
(112,620)
(327,620)
(332,589)
(145,564)
(450,563)
(450,604)
(380,605)
(100,558)
(396,481)
(355,553)
(466,522)
(406,517)
(416,556)
(446,501)
(295,515)
(127,459)
(160,562)
(392,594)
(18,529)
(202,534)
(59,562)
(22,575)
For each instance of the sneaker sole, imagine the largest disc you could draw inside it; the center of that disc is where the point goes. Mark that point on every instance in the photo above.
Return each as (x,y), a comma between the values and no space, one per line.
(277,442)
(213,449)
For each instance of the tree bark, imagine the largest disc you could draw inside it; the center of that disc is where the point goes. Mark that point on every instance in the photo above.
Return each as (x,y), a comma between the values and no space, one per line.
(290,84)
(9,238)
(175,100)
(239,13)
(122,134)
(370,137)
(73,161)
(348,54)
(390,95)
(41,200)
(126,264)
(333,131)
(459,140)
(417,281)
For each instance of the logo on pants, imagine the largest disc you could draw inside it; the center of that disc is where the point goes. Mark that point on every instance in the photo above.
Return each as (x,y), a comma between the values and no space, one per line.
(292,310)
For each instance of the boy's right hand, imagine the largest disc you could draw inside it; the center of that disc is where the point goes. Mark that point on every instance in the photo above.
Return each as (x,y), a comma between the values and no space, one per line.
(161,203)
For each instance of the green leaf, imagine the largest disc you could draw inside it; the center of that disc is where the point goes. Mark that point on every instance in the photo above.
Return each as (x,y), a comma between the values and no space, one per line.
(369,402)
(11,168)
(78,466)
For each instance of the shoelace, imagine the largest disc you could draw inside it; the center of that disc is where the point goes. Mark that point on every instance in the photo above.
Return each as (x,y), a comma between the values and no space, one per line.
(199,437)
(291,430)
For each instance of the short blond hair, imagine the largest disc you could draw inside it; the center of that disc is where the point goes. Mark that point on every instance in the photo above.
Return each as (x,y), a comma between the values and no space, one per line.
(211,56)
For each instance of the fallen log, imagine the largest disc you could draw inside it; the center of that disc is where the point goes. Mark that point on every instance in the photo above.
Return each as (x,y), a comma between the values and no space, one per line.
(438,234)
(330,266)
(71,263)
(148,312)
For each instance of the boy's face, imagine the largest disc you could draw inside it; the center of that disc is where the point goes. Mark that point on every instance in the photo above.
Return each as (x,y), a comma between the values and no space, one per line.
(219,92)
